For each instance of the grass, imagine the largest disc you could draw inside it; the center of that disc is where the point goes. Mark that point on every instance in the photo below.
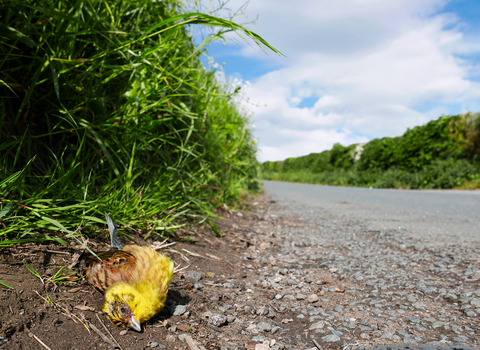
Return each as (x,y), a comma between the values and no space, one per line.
(108,108)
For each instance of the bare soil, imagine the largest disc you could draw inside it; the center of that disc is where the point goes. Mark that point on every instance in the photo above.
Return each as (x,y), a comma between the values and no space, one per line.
(60,315)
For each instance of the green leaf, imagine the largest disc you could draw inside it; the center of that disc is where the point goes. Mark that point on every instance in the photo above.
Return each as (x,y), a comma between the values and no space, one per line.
(215,228)
(5,285)
(6,210)
(10,32)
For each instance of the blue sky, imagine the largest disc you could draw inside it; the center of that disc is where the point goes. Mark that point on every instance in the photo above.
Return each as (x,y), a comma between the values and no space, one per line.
(355,70)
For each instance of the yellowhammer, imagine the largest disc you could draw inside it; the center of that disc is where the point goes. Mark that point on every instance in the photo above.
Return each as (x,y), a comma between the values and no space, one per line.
(134,279)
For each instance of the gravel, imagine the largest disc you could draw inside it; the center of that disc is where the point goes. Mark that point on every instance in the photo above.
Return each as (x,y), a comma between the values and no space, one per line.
(362,286)
(310,274)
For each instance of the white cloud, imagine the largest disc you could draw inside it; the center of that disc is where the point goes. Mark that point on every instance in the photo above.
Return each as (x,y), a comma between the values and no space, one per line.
(371,63)
(306,142)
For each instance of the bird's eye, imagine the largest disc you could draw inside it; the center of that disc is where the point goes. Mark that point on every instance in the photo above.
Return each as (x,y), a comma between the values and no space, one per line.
(123,310)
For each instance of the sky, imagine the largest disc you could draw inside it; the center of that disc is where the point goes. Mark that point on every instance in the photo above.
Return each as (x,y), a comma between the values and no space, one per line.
(354,70)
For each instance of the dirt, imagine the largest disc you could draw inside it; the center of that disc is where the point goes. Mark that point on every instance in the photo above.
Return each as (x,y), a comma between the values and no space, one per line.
(59,315)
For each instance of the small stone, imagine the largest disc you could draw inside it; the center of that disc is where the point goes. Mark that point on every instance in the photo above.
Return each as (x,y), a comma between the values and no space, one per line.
(364,336)
(339,309)
(262,311)
(300,296)
(123,332)
(193,275)
(153,344)
(461,339)
(475,302)
(198,286)
(275,330)
(182,337)
(409,341)
(419,305)
(387,335)
(470,313)
(178,310)
(318,325)
(438,324)
(300,316)
(217,320)
(264,326)
(289,297)
(229,285)
(312,298)
(278,296)
(259,338)
(215,298)
(331,338)
(287,320)
(262,347)
(450,297)
(230,318)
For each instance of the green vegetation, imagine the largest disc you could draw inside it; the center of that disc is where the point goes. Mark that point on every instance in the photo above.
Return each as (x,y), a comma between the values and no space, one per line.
(106,107)
(444,153)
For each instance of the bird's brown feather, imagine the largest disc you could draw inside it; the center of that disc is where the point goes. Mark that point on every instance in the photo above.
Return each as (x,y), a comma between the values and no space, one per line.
(114,266)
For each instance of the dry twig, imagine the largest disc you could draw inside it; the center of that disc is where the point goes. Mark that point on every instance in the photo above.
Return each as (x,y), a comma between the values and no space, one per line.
(182,255)
(158,246)
(103,336)
(110,334)
(317,345)
(178,269)
(37,339)
(191,344)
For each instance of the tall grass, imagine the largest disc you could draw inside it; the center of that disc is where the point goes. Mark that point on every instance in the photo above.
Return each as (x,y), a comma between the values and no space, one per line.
(106,107)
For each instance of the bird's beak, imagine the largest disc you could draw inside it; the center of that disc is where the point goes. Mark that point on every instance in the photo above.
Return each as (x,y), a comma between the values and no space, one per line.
(134,324)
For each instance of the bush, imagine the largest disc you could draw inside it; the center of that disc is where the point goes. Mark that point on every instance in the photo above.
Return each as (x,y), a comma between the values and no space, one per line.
(444,153)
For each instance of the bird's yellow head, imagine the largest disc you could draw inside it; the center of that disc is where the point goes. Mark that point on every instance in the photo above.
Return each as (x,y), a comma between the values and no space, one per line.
(121,305)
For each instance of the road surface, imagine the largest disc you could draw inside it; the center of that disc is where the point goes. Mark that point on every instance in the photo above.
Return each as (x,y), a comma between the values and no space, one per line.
(442,216)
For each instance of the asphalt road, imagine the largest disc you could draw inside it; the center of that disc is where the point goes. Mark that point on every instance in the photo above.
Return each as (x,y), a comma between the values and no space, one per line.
(444,217)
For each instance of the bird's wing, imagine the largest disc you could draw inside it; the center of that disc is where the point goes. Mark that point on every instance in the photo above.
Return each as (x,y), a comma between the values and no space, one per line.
(113,233)
(118,258)
(115,266)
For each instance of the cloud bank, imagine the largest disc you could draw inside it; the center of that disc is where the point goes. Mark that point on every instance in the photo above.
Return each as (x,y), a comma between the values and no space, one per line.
(355,70)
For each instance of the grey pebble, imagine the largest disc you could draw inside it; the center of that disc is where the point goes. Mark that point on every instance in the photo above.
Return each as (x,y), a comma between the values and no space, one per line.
(264,326)
(182,337)
(217,320)
(178,310)
(198,286)
(301,296)
(259,338)
(331,338)
(153,344)
(193,275)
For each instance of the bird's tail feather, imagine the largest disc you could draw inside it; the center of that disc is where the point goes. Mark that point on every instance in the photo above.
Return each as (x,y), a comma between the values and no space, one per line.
(113,233)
